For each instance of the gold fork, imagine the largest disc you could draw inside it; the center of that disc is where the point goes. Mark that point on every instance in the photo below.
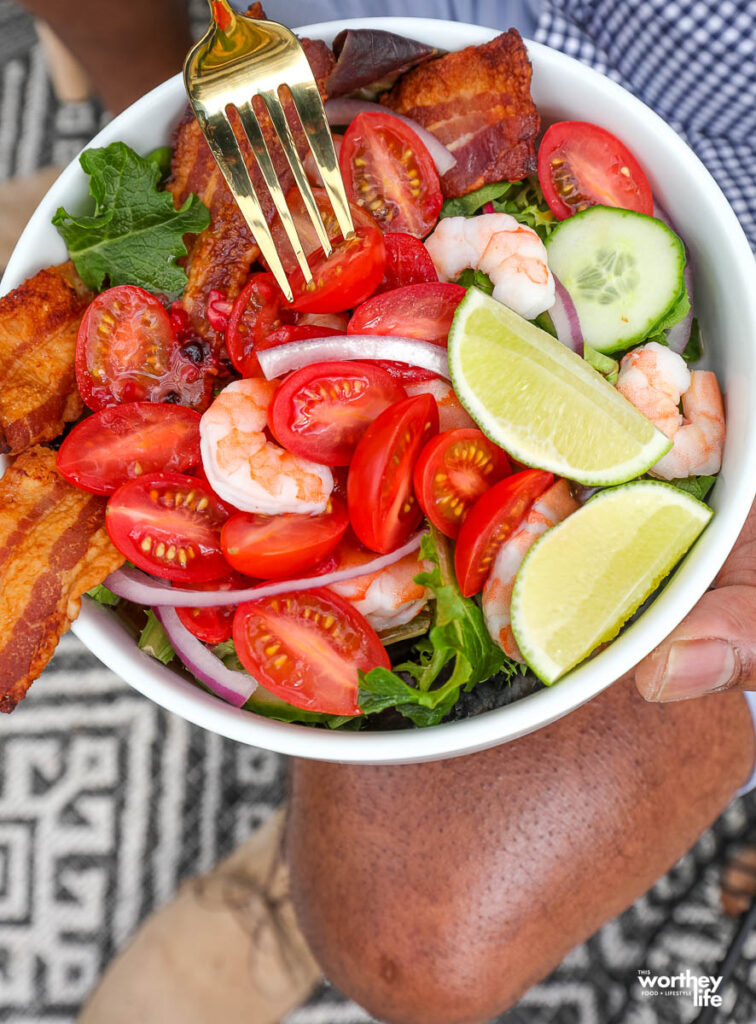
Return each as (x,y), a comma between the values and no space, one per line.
(239,58)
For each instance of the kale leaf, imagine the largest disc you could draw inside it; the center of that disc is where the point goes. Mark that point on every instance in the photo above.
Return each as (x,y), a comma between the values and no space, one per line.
(135,234)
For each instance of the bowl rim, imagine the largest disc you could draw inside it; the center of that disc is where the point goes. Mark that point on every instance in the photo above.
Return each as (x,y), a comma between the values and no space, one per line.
(117,649)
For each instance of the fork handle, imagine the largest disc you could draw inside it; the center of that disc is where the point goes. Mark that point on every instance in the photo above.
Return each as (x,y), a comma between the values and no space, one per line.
(223,14)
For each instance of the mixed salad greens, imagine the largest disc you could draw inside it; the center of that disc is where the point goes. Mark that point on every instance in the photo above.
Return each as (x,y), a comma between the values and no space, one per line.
(373,540)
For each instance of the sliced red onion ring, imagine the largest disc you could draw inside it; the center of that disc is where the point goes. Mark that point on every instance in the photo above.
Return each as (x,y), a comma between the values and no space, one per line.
(679,335)
(342,111)
(135,585)
(282,358)
(234,687)
(564,316)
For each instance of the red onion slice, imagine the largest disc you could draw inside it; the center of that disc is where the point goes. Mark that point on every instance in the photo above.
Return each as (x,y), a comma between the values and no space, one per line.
(137,586)
(564,316)
(679,335)
(234,687)
(342,111)
(488,207)
(283,358)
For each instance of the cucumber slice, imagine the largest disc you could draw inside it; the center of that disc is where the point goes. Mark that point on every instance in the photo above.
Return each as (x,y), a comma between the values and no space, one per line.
(624,271)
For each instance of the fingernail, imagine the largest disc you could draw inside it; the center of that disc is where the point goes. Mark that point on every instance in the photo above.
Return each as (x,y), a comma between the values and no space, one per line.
(696,667)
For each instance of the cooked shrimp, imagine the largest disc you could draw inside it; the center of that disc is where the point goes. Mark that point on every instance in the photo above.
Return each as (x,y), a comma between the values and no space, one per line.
(698,444)
(552,507)
(655,380)
(512,255)
(451,413)
(248,470)
(388,597)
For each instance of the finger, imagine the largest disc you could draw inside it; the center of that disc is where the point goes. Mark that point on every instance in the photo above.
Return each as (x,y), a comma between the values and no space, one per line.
(713,649)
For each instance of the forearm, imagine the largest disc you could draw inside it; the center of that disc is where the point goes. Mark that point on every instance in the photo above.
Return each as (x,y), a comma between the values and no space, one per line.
(441,892)
(126,47)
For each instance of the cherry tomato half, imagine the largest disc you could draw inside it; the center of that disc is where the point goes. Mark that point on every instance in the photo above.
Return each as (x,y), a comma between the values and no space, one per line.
(345,278)
(492,519)
(295,332)
(255,314)
(123,442)
(213,625)
(321,411)
(306,648)
(126,351)
(422,311)
(306,233)
(281,546)
(388,170)
(169,524)
(453,471)
(382,507)
(407,262)
(582,165)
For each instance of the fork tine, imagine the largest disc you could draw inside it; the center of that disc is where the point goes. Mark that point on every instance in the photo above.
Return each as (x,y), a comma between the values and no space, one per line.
(309,106)
(278,117)
(225,148)
(262,155)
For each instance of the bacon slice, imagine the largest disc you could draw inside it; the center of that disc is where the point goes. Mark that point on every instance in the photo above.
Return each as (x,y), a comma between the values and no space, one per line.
(221,256)
(477,102)
(38,325)
(53,548)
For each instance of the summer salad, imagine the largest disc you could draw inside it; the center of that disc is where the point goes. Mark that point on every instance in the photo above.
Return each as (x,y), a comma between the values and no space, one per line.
(452,469)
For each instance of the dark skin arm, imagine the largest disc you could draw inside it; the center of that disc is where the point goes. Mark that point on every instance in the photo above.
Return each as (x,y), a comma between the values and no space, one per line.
(126,47)
(439,893)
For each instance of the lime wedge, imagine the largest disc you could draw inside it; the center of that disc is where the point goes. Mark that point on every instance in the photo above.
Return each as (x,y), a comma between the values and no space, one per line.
(541,402)
(583,579)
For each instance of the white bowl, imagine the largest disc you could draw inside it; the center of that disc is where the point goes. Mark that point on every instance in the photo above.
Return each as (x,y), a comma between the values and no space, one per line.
(725,282)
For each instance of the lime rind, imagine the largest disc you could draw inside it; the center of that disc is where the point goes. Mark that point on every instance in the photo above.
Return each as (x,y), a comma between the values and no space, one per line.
(558,617)
(584,429)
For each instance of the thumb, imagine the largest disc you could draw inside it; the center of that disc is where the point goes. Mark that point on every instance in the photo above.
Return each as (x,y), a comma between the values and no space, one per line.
(713,649)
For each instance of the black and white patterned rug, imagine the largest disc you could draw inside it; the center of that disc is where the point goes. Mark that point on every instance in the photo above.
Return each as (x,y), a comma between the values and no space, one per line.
(107,802)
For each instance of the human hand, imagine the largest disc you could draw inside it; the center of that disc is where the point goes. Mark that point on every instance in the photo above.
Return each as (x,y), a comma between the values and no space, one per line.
(714,647)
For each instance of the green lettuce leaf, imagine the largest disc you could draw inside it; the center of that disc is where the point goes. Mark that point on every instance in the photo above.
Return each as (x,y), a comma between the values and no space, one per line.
(470,278)
(154,640)
(694,349)
(466,206)
(135,234)
(103,596)
(457,653)
(525,202)
(697,486)
(161,157)
(675,313)
(605,365)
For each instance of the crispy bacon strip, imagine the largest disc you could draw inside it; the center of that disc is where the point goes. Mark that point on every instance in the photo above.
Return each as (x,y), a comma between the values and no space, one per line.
(477,102)
(221,256)
(38,325)
(53,548)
